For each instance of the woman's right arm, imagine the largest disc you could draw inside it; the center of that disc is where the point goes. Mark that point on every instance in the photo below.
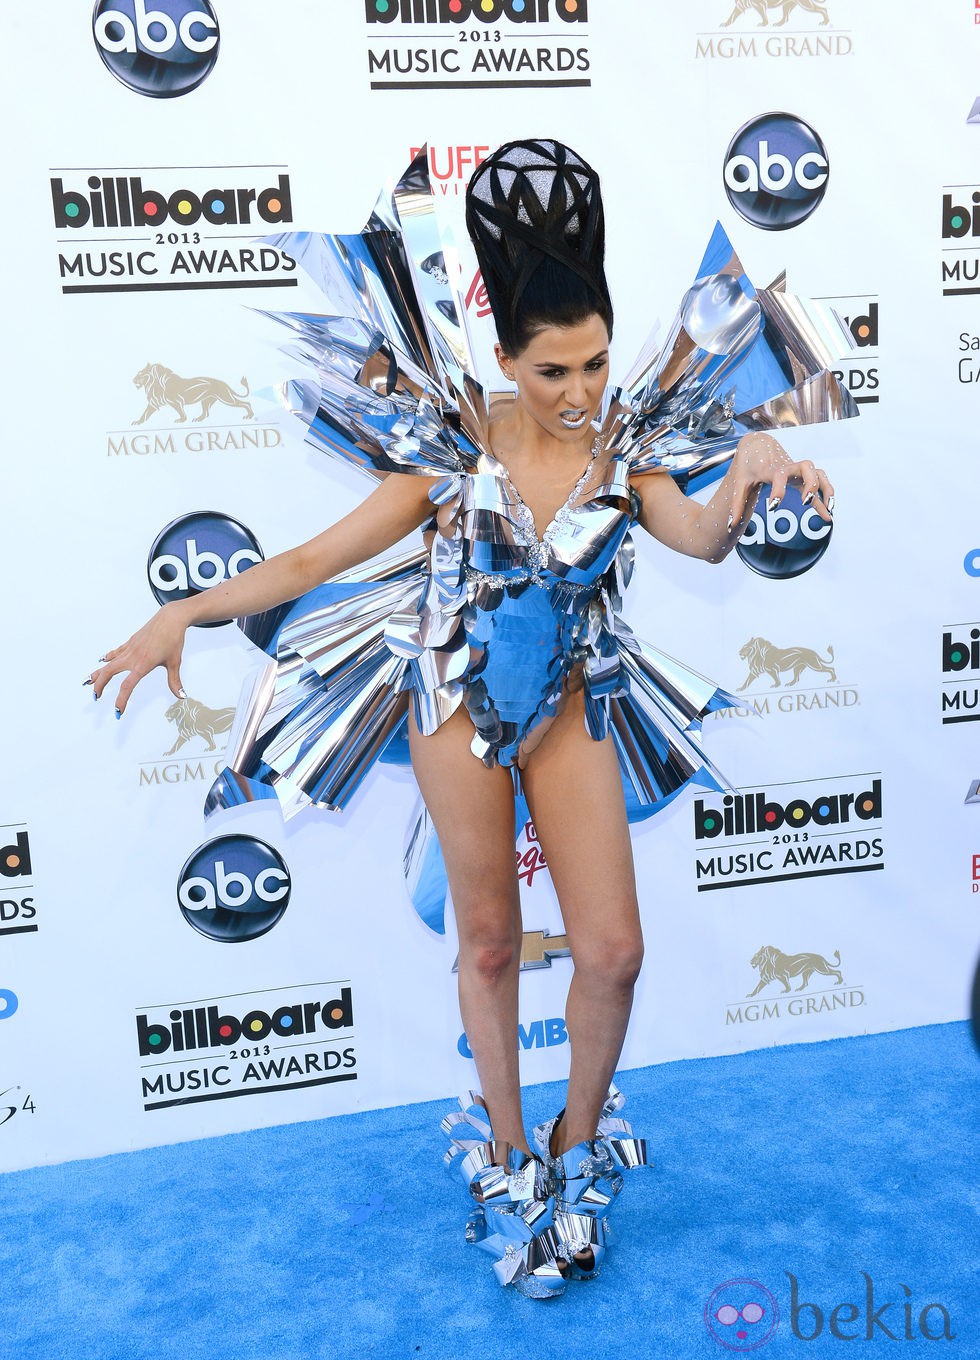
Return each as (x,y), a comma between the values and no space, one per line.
(399,505)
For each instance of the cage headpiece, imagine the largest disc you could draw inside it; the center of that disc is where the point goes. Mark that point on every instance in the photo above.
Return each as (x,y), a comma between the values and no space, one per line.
(534,215)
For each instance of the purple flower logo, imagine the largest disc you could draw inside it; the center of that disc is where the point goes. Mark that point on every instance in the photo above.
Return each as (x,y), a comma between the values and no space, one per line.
(741,1314)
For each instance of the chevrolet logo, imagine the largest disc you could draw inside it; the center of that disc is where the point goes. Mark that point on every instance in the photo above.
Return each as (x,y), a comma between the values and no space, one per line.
(538,949)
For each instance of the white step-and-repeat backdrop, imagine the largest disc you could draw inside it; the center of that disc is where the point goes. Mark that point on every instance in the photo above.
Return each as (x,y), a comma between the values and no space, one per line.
(154,143)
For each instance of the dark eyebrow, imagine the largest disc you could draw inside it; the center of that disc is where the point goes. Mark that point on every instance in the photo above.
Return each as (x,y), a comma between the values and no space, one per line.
(603,354)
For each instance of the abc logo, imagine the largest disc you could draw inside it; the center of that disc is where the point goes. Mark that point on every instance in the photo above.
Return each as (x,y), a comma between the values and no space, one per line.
(8,1003)
(786,541)
(198,551)
(162,52)
(776,171)
(234,888)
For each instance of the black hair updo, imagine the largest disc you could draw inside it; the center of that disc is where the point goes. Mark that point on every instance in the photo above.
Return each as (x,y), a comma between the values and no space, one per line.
(534,215)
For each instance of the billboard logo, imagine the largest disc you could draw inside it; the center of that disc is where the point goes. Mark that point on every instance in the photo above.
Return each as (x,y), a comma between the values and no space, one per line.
(862,376)
(15,859)
(161,52)
(170,241)
(752,837)
(18,911)
(477,44)
(961,673)
(198,551)
(776,171)
(487,11)
(222,1047)
(112,201)
(8,1003)
(234,888)
(960,221)
(204,1027)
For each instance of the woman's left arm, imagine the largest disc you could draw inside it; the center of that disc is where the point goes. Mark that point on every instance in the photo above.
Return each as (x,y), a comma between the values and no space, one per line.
(710,531)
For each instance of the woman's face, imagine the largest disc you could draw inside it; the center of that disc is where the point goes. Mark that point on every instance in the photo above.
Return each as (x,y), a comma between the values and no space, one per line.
(561,375)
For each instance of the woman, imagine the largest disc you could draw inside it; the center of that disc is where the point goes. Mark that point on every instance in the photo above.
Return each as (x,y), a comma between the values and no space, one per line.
(516,655)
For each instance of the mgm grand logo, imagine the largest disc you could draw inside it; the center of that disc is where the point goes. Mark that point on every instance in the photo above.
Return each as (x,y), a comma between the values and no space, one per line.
(807,680)
(194,722)
(773,966)
(763,8)
(169,398)
(810,35)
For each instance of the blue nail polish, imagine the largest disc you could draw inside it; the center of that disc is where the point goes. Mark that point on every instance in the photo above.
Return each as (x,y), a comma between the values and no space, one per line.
(118,714)
(95,696)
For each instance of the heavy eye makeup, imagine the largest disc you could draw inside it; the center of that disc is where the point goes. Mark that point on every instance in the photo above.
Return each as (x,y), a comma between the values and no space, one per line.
(595,365)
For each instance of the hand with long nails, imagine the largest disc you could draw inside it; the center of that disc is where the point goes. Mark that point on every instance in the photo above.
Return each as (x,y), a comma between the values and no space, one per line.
(395,508)
(711,530)
(761,459)
(158,643)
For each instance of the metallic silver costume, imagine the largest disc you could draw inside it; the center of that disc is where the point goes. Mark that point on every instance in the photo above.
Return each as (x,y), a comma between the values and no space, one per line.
(494,617)
(497,618)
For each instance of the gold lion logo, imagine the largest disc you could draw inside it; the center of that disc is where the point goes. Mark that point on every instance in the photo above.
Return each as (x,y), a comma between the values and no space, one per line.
(766,659)
(194,719)
(163,387)
(775,966)
(787,6)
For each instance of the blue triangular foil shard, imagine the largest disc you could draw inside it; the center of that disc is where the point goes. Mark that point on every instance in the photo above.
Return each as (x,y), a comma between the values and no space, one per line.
(735,359)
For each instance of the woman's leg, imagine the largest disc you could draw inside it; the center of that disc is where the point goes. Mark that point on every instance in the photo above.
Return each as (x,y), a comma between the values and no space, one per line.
(472,808)
(575,796)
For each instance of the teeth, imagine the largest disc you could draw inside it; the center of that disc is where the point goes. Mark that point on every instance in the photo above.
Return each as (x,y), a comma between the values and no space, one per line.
(573,420)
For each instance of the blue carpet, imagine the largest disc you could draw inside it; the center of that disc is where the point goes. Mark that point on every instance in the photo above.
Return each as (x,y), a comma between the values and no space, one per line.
(848,1166)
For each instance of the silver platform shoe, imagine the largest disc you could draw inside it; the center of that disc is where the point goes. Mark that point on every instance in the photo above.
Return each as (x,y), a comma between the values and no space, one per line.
(585,1180)
(514,1217)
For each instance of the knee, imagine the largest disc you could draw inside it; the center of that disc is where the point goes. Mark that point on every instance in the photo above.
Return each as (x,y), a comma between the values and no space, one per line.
(613,962)
(491,950)
(495,959)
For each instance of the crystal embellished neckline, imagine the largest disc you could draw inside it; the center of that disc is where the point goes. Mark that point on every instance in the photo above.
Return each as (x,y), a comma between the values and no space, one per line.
(538,549)
(561,514)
